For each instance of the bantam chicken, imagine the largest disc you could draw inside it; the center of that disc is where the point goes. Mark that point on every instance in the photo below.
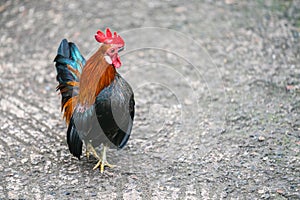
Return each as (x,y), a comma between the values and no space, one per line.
(98,104)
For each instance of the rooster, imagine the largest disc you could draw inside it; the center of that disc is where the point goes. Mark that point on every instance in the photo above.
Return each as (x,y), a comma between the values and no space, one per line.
(97,103)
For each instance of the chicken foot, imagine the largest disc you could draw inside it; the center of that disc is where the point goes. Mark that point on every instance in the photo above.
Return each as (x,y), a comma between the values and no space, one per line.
(102,162)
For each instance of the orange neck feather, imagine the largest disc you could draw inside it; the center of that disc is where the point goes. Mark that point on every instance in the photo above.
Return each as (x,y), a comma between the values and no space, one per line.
(96,75)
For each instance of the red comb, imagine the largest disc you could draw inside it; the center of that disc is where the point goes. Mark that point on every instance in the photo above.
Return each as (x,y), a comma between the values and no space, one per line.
(108,38)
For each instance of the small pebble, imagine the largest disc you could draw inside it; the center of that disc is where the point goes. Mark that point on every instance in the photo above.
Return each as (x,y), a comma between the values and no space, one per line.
(35,159)
(265,158)
(261,138)
(280,191)
(24,160)
(260,191)
(188,101)
(67,193)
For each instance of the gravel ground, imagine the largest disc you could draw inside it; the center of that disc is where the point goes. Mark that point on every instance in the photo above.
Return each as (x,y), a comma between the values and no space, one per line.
(217,87)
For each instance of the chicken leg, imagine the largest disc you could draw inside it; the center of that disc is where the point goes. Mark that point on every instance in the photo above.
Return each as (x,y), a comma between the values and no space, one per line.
(90,149)
(102,162)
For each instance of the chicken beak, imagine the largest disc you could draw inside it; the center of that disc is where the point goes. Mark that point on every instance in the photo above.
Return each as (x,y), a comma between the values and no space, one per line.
(120,49)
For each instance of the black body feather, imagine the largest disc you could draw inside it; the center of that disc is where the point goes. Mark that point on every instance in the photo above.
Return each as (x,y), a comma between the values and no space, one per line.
(115,111)
(110,119)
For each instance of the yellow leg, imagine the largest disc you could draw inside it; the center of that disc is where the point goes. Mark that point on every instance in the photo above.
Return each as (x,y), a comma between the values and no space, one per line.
(102,161)
(90,149)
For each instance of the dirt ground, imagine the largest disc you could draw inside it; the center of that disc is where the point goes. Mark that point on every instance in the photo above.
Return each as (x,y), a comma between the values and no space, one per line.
(217,89)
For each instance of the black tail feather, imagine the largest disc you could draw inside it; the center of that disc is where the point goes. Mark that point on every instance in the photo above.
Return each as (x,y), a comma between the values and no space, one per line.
(69,64)
(74,141)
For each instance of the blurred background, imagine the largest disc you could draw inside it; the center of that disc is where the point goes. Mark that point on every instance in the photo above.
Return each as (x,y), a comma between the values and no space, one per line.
(216,85)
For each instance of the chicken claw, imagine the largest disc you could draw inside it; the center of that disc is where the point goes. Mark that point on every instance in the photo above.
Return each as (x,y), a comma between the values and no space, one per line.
(102,161)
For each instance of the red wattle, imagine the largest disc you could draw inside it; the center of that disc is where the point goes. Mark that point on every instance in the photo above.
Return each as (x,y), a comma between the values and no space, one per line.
(117,62)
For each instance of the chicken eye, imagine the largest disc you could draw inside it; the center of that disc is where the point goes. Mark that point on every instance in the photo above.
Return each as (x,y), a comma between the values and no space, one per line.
(112,51)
